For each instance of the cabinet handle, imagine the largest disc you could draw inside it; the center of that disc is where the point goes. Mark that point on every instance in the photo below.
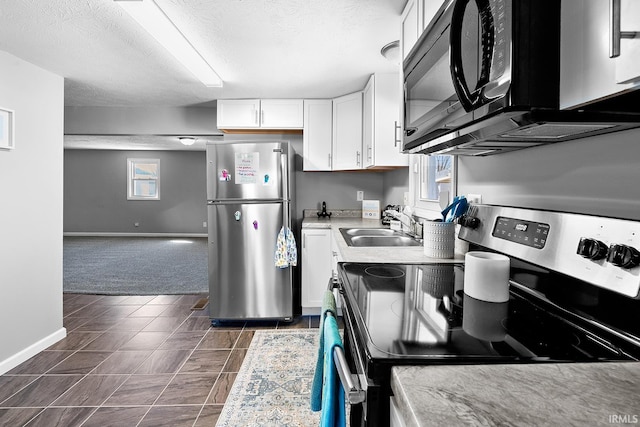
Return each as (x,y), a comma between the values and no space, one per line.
(396,127)
(615,35)
(369,155)
(358,158)
(261,117)
(329,160)
(304,240)
(255,119)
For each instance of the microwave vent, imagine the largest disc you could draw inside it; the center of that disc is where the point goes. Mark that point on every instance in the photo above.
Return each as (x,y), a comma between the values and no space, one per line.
(550,131)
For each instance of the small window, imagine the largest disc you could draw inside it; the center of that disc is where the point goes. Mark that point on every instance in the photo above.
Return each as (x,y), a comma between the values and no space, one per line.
(143,179)
(432,183)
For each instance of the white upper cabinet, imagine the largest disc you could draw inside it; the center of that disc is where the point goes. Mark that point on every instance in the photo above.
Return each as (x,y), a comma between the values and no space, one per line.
(411,26)
(429,9)
(347,132)
(281,114)
(381,115)
(317,134)
(587,73)
(416,16)
(238,113)
(260,114)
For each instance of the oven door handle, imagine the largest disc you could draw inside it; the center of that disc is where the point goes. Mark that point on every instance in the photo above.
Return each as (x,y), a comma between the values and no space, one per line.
(352,391)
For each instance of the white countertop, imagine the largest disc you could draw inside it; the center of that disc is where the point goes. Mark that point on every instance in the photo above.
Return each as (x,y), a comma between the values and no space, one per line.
(395,255)
(567,394)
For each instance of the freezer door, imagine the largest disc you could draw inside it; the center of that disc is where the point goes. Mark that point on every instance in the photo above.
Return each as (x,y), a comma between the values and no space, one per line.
(243,280)
(246,170)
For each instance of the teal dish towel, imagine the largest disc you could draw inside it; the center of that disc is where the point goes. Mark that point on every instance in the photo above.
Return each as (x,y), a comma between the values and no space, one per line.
(328,306)
(333,400)
(286,254)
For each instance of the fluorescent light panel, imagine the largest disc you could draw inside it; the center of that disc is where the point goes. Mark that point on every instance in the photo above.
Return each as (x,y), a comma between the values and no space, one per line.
(154,20)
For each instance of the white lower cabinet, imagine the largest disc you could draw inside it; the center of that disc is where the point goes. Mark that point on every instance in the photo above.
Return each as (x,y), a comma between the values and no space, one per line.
(316,267)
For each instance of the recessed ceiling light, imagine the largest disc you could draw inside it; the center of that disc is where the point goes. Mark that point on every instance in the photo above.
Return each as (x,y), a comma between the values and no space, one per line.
(157,23)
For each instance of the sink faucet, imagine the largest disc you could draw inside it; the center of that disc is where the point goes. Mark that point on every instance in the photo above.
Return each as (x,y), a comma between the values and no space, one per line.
(411,225)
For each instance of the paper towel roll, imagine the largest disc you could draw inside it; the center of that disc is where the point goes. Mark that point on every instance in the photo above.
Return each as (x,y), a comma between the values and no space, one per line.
(486,276)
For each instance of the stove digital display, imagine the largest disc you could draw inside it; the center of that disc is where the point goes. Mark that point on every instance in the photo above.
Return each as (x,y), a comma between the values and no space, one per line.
(527,233)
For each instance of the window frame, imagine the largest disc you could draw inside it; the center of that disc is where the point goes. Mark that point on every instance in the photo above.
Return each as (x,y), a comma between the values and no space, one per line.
(428,208)
(132,178)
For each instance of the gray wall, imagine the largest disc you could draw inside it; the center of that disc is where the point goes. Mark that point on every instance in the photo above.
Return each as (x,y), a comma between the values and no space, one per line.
(30,212)
(95,198)
(598,176)
(95,193)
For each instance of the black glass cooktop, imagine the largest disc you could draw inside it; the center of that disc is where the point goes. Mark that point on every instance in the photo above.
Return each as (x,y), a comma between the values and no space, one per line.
(420,312)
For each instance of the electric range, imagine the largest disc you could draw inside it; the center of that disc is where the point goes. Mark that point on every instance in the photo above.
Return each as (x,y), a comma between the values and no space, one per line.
(573,296)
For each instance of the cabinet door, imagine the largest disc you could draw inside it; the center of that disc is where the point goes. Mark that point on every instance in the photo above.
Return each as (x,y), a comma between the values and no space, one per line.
(385,115)
(347,132)
(238,113)
(628,63)
(281,114)
(429,9)
(411,26)
(317,134)
(586,71)
(368,122)
(316,267)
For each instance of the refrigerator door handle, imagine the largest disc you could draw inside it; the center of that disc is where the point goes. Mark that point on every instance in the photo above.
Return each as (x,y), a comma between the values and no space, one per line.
(284,167)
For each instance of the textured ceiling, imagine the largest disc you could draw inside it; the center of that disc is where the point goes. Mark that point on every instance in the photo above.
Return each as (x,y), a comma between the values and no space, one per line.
(260,48)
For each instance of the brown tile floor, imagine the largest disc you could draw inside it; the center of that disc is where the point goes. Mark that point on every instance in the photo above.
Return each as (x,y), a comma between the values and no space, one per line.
(131,361)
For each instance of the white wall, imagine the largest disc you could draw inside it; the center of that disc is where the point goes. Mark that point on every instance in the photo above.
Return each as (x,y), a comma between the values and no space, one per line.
(31,178)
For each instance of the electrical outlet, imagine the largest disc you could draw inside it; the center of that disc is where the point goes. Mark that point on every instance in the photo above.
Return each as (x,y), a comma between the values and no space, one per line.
(360,196)
(136,224)
(204,224)
(405,198)
(474,198)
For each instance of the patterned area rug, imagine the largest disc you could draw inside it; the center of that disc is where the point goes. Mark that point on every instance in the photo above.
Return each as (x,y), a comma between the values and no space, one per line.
(273,386)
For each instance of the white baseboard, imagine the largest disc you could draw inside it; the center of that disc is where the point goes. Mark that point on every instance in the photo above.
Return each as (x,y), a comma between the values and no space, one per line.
(107,234)
(13,361)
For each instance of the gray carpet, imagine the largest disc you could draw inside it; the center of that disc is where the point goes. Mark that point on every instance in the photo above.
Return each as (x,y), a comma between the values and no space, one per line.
(135,265)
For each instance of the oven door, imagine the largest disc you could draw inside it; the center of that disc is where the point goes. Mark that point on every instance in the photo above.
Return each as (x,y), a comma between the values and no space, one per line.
(360,392)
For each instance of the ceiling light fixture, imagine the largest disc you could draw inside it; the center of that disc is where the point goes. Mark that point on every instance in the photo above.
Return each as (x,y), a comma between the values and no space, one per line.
(157,23)
(187,140)
(391,51)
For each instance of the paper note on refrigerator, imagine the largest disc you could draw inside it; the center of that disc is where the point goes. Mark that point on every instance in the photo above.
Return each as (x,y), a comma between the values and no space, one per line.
(247,165)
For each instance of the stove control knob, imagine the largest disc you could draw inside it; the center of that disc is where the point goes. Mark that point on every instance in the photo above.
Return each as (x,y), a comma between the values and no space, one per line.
(469,221)
(592,248)
(623,256)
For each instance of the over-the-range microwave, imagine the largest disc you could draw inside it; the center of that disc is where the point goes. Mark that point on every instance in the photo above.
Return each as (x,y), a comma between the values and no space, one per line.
(484,78)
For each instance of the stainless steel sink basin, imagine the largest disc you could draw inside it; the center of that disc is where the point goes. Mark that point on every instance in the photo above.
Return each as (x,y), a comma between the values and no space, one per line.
(365,237)
(370,232)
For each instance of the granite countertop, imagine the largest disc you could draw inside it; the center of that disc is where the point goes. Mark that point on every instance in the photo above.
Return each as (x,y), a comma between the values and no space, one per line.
(395,255)
(569,394)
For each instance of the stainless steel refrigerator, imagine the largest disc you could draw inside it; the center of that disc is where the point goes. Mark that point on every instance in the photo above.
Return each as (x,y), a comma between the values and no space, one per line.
(249,190)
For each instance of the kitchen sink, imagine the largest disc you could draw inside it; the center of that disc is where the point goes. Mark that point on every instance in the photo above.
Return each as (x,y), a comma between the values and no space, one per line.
(365,237)
(370,232)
